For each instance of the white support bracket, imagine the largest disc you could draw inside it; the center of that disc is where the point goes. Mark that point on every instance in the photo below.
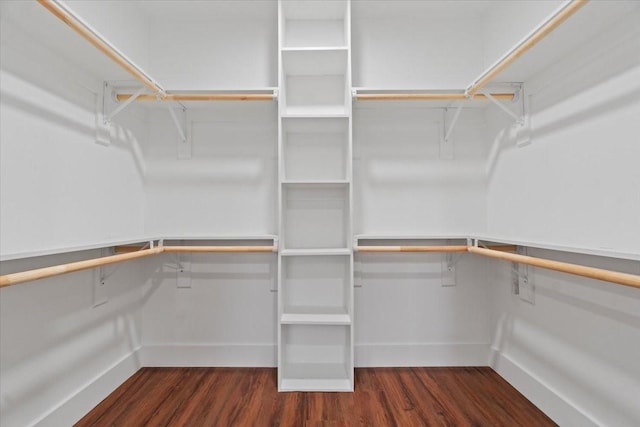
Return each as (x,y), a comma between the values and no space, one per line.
(183,270)
(446,140)
(523,285)
(179,126)
(510,113)
(183,126)
(103,127)
(521,129)
(124,105)
(357,268)
(448,267)
(99,282)
(276,94)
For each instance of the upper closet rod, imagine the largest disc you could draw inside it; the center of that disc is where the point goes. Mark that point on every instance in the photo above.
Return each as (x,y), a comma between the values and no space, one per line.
(527,43)
(202,97)
(139,252)
(92,37)
(565,267)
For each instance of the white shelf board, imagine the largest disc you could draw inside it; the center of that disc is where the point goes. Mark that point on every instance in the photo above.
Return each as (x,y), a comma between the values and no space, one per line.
(111,243)
(315,315)
(315,377)
(315,49)
(409,237)
(316,252)
(610,253)
(314,112)
(316,182)
(233,237)
(66,249)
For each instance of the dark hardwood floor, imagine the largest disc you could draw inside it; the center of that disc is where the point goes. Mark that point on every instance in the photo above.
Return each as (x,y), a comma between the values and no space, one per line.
(249,397)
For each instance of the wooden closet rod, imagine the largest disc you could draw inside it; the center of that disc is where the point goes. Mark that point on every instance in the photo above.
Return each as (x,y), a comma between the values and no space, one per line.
(41,273)
(446,248)
(201,97)
(425,96)
(578,270)
(124,253)
(92,37)
(551,24)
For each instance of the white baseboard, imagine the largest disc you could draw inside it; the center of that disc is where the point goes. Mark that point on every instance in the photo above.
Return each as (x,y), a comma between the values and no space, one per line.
(542,395)
(388,355)
(85,399)
(217,355)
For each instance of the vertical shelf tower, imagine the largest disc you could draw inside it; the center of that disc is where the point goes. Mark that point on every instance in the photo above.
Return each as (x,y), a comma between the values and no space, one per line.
(315,269)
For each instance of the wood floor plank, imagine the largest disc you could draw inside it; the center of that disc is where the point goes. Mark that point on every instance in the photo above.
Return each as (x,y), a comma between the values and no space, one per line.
(249,397)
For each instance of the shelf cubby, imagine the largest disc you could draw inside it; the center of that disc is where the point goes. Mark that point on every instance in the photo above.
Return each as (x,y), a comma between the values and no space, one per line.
(316,358)
(316,149)
(315,83)
(316,289)
(315,216)
(314,23)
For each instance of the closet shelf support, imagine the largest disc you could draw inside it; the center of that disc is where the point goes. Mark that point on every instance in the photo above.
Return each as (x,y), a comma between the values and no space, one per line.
(123,105)
(449,130)
(176,121)
(519,120)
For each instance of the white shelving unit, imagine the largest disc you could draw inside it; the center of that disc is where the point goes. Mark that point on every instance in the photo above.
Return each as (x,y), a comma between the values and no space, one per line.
(315,268)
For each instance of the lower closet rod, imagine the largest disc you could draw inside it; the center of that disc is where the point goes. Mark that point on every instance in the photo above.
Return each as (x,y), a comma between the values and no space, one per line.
(565,267)
(56,270)
(427,248)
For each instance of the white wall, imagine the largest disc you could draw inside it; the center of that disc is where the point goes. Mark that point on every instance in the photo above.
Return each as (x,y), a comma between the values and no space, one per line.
(228,186)
(577,184)
(405,317)
(401,184)
(506,23)
(226,318)
(575,352)
(59,354)
(412,45)
(221,46)
(123,23)
(59,187)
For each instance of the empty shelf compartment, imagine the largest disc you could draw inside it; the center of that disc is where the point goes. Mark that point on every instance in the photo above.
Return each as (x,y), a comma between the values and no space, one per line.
(315,216)
(316,358)
(316,149)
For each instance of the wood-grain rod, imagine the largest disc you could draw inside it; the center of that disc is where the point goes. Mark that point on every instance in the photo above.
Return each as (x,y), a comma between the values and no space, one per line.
(56,270)
(130,253)
(88,34)
(425,96)
(427,248)
(201,97)
(551,24)
(575,269)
